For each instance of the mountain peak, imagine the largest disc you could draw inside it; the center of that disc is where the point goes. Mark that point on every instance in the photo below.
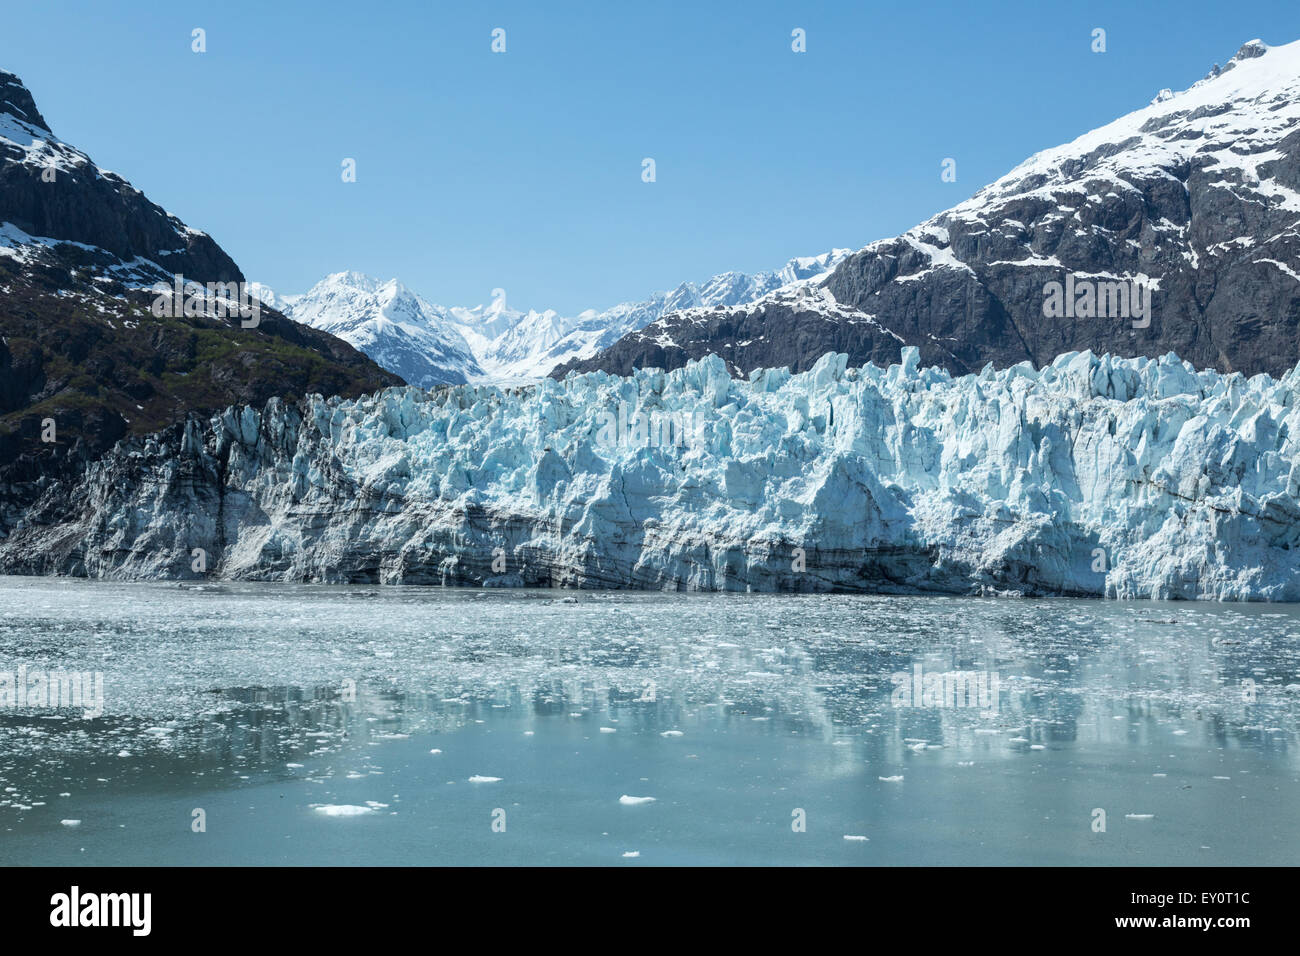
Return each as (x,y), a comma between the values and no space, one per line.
(50,190)
(350,279)
(1194,198)
(1283,61)
(16,100)
(1250,50)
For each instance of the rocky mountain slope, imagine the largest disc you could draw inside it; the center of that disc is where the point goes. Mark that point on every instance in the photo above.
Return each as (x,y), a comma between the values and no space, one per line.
(429,345)
(1130,478)
(1195,197)
(81,350)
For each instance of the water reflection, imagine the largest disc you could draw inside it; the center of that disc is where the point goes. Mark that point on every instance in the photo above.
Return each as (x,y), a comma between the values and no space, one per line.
(222,688)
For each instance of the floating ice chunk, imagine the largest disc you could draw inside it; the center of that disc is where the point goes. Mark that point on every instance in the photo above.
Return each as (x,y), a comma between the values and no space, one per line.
(1139,816)
(71,823)
(435,750)
(608,730)
(671,733)
(634,801)
(631,854)
(854,838)
(342,810)
(293,765)
(479,778)
(897,778)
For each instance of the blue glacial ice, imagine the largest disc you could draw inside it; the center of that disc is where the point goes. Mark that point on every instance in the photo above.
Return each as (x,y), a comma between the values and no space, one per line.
(1126,478)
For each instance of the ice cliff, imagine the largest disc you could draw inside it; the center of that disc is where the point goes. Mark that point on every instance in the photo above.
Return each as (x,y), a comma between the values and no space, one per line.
(1128,478)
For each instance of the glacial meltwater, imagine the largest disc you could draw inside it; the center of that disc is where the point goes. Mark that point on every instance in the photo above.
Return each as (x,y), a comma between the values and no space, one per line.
(285,724)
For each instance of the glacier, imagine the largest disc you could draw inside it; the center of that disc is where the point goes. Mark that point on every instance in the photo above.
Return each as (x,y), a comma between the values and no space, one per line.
(1092,476)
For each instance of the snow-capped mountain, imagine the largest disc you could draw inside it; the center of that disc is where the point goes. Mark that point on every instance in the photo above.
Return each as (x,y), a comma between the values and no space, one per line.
(430,344)
(1193,200)
(84,360)
(399,330)
(53,194)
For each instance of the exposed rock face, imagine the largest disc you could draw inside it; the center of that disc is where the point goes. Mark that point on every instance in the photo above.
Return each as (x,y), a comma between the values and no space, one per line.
(1197,195)
(81,352)
(802,320)
(53,190)
(1125,478)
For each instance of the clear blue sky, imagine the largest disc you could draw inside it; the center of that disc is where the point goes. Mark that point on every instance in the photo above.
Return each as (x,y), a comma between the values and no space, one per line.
(523,170)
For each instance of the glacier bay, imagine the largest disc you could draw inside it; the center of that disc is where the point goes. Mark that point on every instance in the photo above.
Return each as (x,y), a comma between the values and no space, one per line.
(1093,476)
(340,725)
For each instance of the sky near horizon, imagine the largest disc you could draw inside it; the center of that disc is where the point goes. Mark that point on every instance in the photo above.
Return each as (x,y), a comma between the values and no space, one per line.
(523,170)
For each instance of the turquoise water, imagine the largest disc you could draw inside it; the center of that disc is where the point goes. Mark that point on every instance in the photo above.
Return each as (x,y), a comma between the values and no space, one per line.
(321,725)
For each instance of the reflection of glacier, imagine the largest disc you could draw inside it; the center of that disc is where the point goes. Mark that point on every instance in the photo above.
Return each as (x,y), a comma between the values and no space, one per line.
(1093,476)
(255,677)
(1216,679)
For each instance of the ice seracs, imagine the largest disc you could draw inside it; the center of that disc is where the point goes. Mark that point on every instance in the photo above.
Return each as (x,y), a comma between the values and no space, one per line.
(1127,478)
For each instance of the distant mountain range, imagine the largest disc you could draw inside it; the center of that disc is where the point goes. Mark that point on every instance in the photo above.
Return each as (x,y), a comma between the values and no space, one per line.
(430,344)
(1194,198)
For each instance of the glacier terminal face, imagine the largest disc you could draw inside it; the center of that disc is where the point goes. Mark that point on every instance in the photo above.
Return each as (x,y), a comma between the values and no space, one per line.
(1094,476)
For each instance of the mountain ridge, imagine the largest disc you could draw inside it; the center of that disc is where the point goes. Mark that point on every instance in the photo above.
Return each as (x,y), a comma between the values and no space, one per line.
(86,358)
(1176,195)
(432,345)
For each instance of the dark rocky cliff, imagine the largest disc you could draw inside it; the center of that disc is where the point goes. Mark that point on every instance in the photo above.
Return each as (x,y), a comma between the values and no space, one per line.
(80,346)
